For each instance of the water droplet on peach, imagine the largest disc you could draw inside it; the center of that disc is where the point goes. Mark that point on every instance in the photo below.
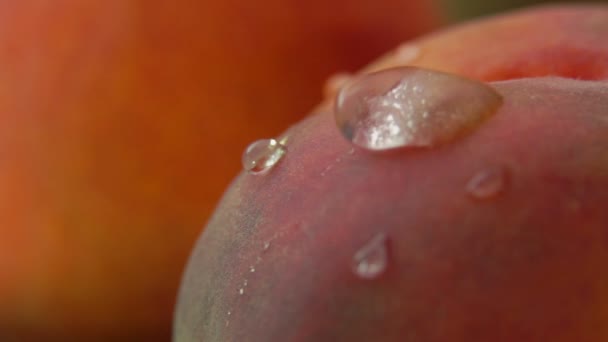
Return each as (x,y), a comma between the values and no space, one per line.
(371,260)
(262,155)
(411,107)
(487,183)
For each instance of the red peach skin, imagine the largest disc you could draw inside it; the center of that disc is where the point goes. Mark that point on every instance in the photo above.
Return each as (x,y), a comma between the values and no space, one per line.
(526,265)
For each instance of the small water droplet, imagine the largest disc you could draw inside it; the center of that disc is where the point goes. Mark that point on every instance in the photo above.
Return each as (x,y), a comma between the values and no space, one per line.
(245,283)
(229,313)
(409,107)
(407,53)
(351,151)
(251,269)
(241,291)
(266,245)
(262,155)
(371,260)
(487,183)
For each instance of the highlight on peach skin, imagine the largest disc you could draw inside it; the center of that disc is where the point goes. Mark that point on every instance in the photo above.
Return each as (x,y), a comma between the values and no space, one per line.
(454,190)
(122,122)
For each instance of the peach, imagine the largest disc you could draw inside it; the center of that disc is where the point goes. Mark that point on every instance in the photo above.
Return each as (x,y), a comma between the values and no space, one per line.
(122,120)
(500,235)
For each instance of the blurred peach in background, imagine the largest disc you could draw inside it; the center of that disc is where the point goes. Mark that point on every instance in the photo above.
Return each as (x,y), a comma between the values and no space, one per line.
(122,123)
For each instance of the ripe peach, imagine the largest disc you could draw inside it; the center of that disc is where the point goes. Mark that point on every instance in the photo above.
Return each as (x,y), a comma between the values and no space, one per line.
(525,264)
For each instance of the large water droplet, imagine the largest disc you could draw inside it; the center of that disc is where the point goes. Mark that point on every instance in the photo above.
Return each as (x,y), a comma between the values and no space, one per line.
(262,155)
(487,183)
(409,106)
(371,260)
